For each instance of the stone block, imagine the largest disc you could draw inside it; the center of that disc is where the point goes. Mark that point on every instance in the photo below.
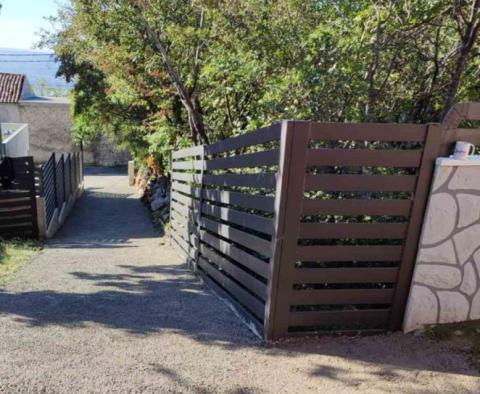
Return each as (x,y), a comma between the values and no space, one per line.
(441,218)
(469,281)
(422,308)
(469,206)
(467,242)
(443,253)
(454,307)
(438,276)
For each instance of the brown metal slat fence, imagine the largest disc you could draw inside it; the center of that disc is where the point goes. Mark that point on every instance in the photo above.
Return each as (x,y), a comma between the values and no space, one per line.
(311,227)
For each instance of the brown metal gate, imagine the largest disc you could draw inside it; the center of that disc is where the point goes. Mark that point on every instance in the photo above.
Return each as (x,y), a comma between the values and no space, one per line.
(309,227)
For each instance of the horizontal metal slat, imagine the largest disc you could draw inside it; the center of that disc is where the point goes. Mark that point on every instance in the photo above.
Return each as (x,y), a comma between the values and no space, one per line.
(7,195)
(22,211)
(372,183)
(186,189)
(345,275)
(255,222)
(366,316)
(246,299)
(353,230)
(368,132)
(187,165)
(241,276)
(186,177)
(357,207)
(188,152)
(14,220)
(250,241)
(183,247)
(15,203)
(256,137)
(341,296)
(364,157)
(242,257)
(257,159)
(350,253)
(184,210)
(262,203)
(185,200)
(261,180)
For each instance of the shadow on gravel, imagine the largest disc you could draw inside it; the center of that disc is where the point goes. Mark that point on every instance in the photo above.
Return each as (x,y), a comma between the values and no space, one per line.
(136,301)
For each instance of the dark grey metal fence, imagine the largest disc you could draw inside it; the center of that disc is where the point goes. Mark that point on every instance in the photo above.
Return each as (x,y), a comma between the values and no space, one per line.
(60,177)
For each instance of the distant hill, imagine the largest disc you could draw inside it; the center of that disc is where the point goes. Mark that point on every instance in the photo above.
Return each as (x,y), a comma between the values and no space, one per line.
(40,68)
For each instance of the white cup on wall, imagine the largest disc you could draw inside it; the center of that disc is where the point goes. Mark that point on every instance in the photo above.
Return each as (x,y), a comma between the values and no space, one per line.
(463,150)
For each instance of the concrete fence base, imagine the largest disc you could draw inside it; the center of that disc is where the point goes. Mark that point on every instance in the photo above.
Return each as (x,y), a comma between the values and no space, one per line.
(59,215)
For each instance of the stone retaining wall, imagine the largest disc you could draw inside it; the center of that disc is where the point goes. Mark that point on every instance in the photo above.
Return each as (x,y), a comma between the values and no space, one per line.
(446,280)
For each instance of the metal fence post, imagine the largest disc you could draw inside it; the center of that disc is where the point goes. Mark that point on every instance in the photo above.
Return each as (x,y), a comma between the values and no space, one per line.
(200,200)
(431,150)
(288,201)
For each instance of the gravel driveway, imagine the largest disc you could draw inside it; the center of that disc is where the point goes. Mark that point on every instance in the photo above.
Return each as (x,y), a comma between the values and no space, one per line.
(106,309)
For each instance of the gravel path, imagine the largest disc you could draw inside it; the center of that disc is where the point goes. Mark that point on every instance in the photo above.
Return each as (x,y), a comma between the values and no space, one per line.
(106,309)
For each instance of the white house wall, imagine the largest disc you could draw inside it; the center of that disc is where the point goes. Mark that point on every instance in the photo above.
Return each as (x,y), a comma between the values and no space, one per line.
(50,126)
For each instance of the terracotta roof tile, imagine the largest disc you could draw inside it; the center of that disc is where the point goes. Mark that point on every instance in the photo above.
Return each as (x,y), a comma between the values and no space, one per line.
(11,87)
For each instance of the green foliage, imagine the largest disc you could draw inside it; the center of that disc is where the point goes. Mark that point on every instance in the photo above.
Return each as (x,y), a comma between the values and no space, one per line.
(239,65)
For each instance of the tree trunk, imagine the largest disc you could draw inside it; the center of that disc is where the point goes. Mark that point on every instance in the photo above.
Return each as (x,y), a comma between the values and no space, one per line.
(189,101)
(466,43)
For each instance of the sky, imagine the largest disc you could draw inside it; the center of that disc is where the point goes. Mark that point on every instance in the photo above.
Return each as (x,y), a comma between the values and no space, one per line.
(20,21)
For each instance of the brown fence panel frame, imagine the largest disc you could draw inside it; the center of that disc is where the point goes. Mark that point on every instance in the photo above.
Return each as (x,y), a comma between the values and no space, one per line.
(296,139)
(209,237)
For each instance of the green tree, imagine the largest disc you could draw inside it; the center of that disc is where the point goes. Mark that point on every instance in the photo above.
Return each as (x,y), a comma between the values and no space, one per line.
(167,73)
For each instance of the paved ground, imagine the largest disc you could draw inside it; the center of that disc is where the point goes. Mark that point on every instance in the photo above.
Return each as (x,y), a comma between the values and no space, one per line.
(105,308)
